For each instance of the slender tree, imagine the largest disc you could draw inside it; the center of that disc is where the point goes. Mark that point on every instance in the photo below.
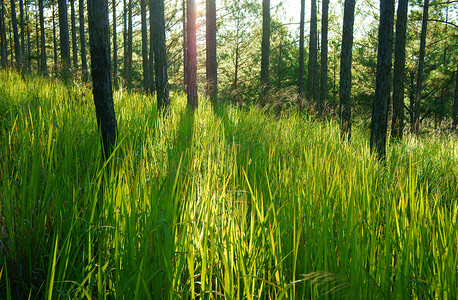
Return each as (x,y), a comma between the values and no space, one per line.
(152,86)
(27,29)
(312,80)
(3,37)
(99,39)
(300,83)
(265,51)
(74,41)
(124,42)
(17,47)
(160,54)
(397,123)
(421,58)
(455,102)
(345,68)
(64,37)
(21,11)
(144,45)
(83,41)
(211,62)
(185,51)
(129,46)
(192,53)
(54,35)
(115,48)
(43,66)
(324,58)
(383,78)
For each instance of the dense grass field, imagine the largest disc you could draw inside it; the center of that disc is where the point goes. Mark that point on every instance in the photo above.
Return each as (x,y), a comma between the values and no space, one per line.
(220,203)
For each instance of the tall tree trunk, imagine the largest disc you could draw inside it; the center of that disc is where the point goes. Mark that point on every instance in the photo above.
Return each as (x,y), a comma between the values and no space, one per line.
(192,54)
(383,79)
(64,37)
(421,58)
(300,83)
(99,39)
(21,10)
(83,41)
(144,45)
(265,52)
(54,34)
(185,51)
(152,86)
(29,46)
(312,80)
(211,62)
(17,47)
(43,66)
(455,102)
(345,68)
(74,41)
(115,48)
(397,123)
(124,42)
(160,55)
(324,58)
(129,47)
(3,37)
(37,35)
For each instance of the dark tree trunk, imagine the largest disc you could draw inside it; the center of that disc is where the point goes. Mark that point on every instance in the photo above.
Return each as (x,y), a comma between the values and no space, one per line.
(83,41)
(397,123)
(185,51)
(455,102)
(312,80)
(421,58)
(152,87)
(3,37)
(324,58)
(345,69)
(74,41)
(37,35)
(29,46)
(17,47)
(124,43)
(129,47)
(144,45)
(160,55)
(99,39)
(115,48)
(43,66)
(211,62)
(300,83)
(265,52)
(54,34)
(383,79)
(64,38)
(21,11)
(192,54)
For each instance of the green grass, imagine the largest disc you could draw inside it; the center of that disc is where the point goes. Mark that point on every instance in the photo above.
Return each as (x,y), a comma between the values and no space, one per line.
(220,202)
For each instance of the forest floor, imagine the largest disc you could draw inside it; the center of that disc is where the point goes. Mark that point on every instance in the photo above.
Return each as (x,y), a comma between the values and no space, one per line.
(220,203)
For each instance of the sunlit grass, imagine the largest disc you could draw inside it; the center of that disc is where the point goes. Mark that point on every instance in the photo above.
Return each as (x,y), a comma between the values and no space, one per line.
(222,202)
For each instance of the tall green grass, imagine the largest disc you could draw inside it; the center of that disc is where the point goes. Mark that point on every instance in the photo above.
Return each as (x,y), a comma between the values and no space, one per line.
(217,203)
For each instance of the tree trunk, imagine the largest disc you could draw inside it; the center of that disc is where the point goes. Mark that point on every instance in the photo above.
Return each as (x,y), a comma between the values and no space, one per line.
(3,37)
(397,123)
(129,47)
(99,39)
(21,10)
(144,45)
(185,51)
(160,55)
(312,80)
(383,79)
(64,38)
(124,43)
(421,58)
(17,47)
(74,41)
(300,83)
(455,102)
(345,69)
(37,35)
(43,66)
(83,41)
(115,48)
(29,46)
(192,54)
(324,58)
(211,61)
(152,86)
(54,34)
(265,52)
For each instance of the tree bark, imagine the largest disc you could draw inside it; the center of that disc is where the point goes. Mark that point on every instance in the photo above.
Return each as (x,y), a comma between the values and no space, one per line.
(324,58)
(99,33)
(124,43)
(144,46)
(455,102)
(312,80)
(54,34)
(83,41)
(152,86)
(43,66)
(64,37)
(74,41)
(3,37)
(265,52)
(115,48)
(211,61)
(383,78)
(160,55)
(129,47)
(21,11)
(185,51)
(345,69)
(397,123)
(17,47)
(192,54)
(300,83)
(421,58)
